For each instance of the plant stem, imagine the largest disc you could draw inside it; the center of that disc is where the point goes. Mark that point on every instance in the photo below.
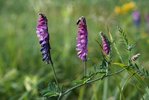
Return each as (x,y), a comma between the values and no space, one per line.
(55,77)
(85,69)
(105,87)
(124,83)
(91,81)
(115,47)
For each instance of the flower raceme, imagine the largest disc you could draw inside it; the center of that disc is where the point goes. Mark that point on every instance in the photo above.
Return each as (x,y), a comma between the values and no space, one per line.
(105,44)
(82,39)
(43,35)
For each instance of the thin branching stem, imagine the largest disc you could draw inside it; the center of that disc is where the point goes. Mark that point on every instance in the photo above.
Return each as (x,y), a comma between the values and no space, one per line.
(91,81)
(55,76)
(116,48)
(105,87)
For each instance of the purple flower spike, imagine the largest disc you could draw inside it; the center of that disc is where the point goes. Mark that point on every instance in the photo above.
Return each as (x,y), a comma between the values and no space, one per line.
(136,18)
(82,39)
(43,35)
(105,44)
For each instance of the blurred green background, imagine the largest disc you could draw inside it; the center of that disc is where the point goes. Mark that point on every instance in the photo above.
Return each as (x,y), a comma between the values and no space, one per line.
(23,75)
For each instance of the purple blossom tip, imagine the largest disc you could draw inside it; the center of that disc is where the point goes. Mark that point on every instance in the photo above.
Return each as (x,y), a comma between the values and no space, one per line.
(82,39)
(43,35)
(105,43)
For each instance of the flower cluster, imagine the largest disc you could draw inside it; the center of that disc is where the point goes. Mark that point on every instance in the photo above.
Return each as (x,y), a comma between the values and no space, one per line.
(82,39)
(105,44)
(43,35)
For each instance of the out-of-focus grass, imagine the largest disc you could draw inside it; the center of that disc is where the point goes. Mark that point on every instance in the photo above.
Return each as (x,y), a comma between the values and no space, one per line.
(22,73)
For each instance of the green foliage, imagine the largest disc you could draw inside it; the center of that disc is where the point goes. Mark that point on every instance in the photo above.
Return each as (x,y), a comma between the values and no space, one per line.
(124,37)
(141,71)
(24,76)
(146,95)
(51,91)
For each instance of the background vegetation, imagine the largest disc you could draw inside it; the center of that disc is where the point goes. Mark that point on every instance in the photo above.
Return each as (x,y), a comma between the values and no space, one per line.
(23,75)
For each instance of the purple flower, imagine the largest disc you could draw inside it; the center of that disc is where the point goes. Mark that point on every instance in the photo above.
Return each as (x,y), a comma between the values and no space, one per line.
(136,18)
(43,35)
(105,44)
(82,39)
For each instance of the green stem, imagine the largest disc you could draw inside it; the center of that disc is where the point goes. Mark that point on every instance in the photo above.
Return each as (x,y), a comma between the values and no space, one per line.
(85,69)
(118,53)
(123,80)
(105,87)
(91,81)
(115,47)
(122,88)
(55,77)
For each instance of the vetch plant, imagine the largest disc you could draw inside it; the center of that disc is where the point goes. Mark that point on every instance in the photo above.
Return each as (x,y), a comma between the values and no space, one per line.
(101,71)
(82,41)
(43,35)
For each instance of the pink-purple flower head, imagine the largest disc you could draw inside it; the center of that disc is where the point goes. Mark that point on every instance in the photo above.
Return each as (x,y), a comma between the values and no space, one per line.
(105,43)
(43,35)
(82,39)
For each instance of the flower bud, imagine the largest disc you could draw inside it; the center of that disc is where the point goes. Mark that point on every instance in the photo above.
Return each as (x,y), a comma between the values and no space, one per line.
(105,44)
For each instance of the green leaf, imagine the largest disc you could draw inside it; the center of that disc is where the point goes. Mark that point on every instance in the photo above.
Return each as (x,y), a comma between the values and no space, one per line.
(136,66)
(141,71)
(84,80)
(77,81)
(120,64)
(125,40)
(131,46)
(51,91)
(137,77)
(51,94)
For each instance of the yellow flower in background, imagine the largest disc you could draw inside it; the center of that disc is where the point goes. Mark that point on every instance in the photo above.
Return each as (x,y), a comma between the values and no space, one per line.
(128,6)
(125,8)
(118,10)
